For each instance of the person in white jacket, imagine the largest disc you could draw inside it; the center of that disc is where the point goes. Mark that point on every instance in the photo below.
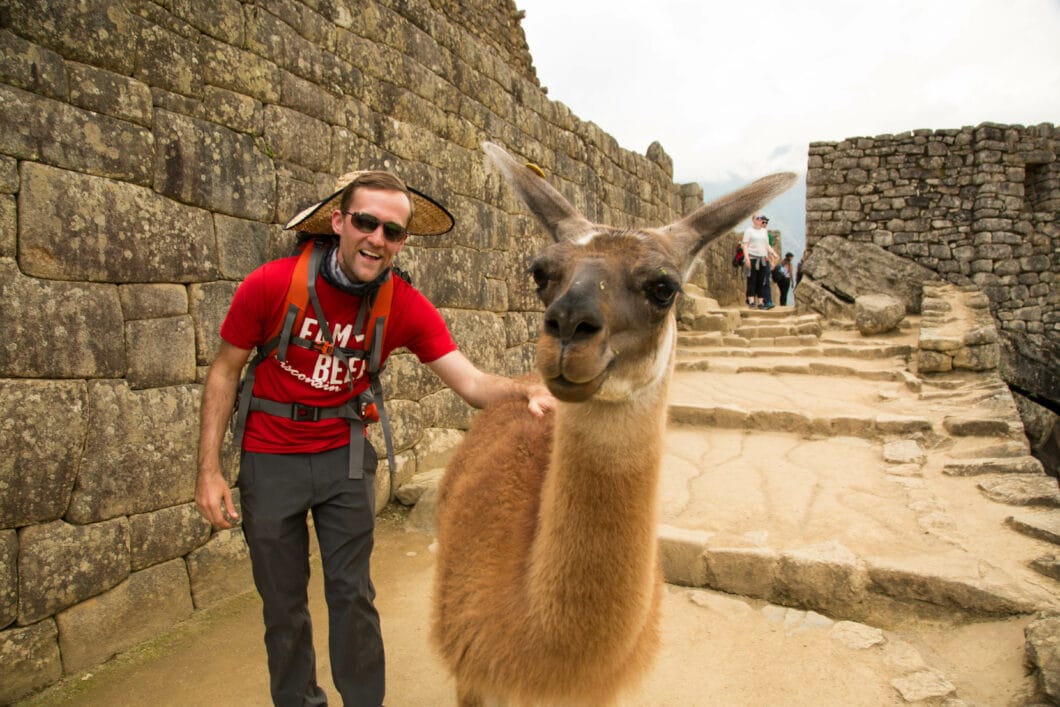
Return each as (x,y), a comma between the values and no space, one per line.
(758,261)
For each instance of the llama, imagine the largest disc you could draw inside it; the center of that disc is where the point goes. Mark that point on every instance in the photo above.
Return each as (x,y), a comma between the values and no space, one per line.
(547,587)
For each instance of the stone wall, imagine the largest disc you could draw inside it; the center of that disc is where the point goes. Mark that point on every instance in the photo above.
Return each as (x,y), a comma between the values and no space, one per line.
(149,151)
(977,205)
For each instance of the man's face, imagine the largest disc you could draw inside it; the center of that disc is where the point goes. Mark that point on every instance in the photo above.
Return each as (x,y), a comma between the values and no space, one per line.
(363,256)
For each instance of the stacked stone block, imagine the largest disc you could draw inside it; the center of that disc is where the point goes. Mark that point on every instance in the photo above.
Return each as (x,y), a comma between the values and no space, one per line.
(976,205)
(149,153)
(956,331)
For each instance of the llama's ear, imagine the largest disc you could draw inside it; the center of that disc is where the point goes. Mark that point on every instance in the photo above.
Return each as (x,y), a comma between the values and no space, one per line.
(692,233)
(556,213)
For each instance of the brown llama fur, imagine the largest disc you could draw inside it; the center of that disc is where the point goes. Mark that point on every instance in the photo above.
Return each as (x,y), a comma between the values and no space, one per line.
(547,588)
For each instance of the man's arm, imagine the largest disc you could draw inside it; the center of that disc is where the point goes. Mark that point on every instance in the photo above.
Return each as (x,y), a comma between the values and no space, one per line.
(212,495)
(480,389)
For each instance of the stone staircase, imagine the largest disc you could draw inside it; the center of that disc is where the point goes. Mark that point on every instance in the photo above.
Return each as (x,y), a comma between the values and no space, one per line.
(815,469)
(783,382)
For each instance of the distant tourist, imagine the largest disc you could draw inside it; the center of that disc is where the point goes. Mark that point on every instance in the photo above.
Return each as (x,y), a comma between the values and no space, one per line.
(783,276)
(757,263)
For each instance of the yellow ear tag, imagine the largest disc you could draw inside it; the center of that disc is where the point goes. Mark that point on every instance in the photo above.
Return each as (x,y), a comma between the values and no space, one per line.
(537,170)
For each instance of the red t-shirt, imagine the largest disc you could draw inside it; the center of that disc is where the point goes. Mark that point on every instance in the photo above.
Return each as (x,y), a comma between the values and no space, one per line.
(310,378)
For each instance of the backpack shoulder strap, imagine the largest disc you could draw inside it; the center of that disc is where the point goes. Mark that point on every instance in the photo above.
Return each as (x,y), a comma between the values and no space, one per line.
(301,294)
(377,320)
(374,337)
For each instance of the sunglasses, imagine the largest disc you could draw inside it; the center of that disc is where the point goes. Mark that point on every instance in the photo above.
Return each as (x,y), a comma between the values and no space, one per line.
(366,223)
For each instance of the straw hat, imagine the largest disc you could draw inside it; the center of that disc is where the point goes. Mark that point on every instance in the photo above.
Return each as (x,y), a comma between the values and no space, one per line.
(429,218)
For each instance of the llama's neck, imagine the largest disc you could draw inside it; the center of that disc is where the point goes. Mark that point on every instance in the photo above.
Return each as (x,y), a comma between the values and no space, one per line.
(594,554)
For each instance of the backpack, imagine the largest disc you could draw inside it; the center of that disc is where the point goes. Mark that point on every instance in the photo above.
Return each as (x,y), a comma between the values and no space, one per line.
(366,407)
(779,276)
(737,259)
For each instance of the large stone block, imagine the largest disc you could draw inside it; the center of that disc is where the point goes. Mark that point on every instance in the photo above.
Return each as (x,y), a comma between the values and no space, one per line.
(31,67)
(681,555)
(8,226)
(978,358)
(240,71)
(209,166)
(209,304)
(877,314)
(42,433)
(29,660)
(810,296)
(113,231)
(850,269)
(140,453)
(60,565)
(166,533)
(37,128)
(459,278)
(825,577)
(963,588)
(750,571)
(298,138)
(405,378)
(153,301)
(445,409)
(84,317)
(241,245)
(1043,652)
(8,576)
(221,19)
(110,94)
(97,32)
(144,605)
(161,352)
(220,568)
(170,61)
(233,110)
(480,335)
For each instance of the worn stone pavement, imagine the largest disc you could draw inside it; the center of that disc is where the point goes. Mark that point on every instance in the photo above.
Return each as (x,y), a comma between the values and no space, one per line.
(835,529)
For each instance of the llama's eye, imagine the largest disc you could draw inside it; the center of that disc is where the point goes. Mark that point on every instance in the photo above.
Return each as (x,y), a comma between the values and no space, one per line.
(540,275)
(661,293)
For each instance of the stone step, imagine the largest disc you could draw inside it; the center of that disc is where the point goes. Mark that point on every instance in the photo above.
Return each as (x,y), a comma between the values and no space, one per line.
(1022,490)
(731,417)
(999,449)
(822,368)
(1049,565)
(1043,525)
(830,579)
(722,345)
(765,331)
(973,426)
(996,465)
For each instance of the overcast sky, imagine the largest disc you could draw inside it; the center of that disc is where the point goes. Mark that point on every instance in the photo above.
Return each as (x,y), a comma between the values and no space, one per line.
(740,89)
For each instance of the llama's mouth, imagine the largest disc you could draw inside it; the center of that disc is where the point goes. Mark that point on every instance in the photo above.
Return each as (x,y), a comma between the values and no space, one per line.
(574,392)
(574,372)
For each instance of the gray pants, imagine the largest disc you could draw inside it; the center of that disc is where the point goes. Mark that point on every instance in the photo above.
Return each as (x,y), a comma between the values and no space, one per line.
(276,492)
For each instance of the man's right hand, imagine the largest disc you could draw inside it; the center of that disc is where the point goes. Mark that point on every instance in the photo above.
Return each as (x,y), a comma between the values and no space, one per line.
(214,499)
(212,495)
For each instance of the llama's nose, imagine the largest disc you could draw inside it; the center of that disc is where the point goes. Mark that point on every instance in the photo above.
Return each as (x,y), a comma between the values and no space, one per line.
(574,316)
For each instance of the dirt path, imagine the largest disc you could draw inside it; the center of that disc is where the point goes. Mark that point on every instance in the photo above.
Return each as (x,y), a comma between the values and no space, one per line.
(717,649)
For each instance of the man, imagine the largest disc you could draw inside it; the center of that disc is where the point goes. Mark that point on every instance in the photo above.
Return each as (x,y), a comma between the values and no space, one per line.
(293,462)
(758,262)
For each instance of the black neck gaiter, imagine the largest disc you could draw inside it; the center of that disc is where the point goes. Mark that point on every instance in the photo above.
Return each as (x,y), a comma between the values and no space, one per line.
(334,276)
